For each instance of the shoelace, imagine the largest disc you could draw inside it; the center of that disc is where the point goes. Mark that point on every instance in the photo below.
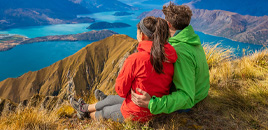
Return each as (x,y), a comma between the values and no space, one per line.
(81,107)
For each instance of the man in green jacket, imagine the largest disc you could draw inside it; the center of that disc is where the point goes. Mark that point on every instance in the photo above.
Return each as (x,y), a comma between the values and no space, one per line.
(191,74)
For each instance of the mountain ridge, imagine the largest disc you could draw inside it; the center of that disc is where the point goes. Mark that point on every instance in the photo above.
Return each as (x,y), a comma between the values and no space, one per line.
(96,65)
(247,7)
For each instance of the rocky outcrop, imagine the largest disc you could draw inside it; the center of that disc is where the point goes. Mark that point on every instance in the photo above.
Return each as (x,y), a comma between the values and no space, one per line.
(95,66)
(242,28)
(106,25)
(41,102)
(7,106)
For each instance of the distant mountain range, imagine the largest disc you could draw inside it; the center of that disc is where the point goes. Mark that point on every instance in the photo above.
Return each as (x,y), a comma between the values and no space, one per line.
(243,28)
(22,13)
(244,7)
(62,9)
(96,65)
(104,5)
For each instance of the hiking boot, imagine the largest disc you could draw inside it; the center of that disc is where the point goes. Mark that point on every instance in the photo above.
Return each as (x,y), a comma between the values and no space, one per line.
(99,95)
(80,100)
(77,106)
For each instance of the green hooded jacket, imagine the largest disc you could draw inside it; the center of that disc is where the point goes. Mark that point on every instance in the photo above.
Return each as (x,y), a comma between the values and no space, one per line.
(191,75)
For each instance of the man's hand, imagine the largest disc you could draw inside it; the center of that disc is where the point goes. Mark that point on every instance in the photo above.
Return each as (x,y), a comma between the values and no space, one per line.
(140,100)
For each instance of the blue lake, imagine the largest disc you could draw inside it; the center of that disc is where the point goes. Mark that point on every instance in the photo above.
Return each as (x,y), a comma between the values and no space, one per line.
(32,57)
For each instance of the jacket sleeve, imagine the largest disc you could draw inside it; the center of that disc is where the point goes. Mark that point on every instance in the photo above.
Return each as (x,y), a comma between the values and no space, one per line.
(125,78)
(184,81)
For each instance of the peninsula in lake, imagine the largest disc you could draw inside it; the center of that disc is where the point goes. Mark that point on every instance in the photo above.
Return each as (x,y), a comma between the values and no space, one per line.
(122,13)
(8,42)
(105,25)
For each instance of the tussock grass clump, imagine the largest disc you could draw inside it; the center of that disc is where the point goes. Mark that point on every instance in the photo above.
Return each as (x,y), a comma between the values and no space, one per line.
(29,118)
(239,90)
(65,111)
(254,66)
(216,55)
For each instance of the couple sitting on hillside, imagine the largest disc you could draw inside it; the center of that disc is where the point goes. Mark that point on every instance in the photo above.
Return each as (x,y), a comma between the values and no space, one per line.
(167,74)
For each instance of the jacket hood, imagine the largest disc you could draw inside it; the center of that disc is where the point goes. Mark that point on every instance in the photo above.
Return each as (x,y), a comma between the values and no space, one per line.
(169,50)
(187,35)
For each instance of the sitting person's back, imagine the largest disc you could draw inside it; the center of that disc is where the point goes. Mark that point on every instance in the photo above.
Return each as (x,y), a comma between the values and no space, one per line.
(191,71)
(142,69)
(150,69)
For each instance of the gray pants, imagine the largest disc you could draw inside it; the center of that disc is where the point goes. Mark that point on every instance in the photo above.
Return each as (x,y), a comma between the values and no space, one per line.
(109,108)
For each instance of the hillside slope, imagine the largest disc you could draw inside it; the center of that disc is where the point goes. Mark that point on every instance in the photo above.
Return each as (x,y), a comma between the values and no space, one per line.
(93,65)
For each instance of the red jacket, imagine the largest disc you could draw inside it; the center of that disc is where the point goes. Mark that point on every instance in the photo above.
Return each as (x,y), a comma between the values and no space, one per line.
(138,72)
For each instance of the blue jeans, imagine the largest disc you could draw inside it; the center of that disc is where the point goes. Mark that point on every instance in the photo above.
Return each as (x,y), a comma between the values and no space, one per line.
(181,111)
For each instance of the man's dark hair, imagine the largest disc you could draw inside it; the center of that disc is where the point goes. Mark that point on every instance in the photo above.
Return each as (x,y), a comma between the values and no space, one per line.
(178,15)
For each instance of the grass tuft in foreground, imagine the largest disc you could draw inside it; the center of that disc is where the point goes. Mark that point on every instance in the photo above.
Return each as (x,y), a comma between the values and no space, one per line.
(29,118)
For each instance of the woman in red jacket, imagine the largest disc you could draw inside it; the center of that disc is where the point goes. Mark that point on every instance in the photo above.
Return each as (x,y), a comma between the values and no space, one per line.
(150,69)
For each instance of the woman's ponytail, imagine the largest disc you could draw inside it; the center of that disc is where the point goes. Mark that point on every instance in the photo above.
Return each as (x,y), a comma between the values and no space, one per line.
(158,31)
(160,37)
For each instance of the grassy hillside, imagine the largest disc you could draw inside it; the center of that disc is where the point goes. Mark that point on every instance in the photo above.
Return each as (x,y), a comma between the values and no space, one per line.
(237,98)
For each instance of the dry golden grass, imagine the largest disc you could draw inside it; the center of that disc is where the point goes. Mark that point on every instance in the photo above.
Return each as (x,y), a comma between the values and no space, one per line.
(29,118)
(216,55)
(239,90)
(237,100)
(65,111)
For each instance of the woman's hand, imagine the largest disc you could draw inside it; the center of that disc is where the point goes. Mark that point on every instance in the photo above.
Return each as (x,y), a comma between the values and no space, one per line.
(140,100)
